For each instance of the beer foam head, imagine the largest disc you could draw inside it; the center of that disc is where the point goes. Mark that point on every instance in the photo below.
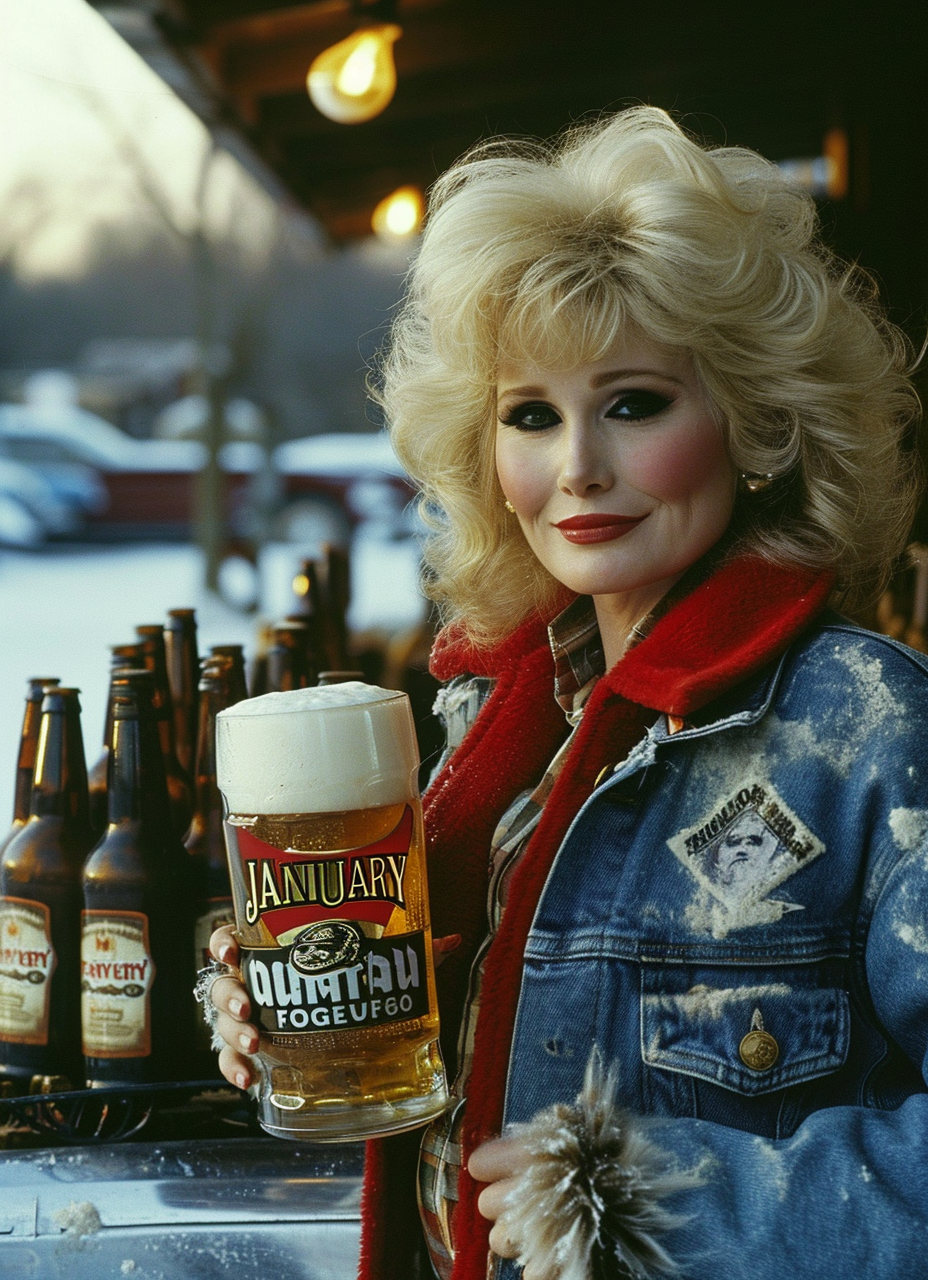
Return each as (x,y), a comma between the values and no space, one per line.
(318,750)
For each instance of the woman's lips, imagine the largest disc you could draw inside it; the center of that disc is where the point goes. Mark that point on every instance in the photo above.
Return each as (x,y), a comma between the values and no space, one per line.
(597,528)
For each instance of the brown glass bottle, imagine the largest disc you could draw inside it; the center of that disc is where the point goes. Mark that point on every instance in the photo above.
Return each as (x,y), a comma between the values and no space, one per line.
(25,760)
(238,685)
(136,971)
(183,664)
(180,785)
(123,657)
(288,657)
(205,841)
(337,597)
(40,884)
(310,610)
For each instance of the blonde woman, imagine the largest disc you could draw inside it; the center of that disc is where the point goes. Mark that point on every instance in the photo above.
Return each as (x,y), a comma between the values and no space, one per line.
(681,827)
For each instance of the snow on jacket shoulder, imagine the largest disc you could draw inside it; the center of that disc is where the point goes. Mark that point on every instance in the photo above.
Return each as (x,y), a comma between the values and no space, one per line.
(738,920)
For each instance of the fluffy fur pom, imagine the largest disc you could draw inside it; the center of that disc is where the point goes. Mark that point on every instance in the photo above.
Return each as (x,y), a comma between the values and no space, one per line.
(588,1205)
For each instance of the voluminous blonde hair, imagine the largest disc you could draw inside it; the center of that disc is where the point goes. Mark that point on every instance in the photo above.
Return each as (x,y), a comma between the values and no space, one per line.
(549,252)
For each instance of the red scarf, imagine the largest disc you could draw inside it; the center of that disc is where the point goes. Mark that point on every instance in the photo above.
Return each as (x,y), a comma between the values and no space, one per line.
(738,621)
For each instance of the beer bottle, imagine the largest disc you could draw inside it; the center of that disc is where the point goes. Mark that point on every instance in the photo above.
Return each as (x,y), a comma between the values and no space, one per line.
(123,657)
(183,663)
(205,842)
(40,884)
(136,973)
(238,685)
(337,597)
(288,659)
(310,611)
(180,787)
(25,761)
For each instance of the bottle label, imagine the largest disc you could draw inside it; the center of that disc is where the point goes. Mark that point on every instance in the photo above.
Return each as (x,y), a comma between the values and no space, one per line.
(117,973)
(27,962)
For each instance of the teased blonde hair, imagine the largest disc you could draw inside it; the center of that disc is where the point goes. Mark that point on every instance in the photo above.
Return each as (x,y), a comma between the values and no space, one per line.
(548,252)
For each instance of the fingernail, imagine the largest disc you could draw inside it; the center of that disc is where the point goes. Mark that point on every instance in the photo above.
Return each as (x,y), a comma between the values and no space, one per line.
(245,1041)
(241,1080)
(225,952)
(235,1007)
(451,943)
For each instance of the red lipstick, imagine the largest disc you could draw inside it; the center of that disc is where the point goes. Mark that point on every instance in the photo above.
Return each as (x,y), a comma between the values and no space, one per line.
(597,527)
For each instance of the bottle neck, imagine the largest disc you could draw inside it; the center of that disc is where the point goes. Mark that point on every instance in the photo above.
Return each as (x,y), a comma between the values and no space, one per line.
(59,781)
(136,786)
(25,763)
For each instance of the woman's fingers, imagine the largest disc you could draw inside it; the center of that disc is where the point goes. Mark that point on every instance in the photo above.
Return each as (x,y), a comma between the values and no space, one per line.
(223,945)
(236,1068)
(499,1158)
(229,996)
(442,947)
(237,1035)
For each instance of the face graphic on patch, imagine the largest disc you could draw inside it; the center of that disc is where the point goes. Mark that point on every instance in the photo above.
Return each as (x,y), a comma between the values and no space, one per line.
(744,854)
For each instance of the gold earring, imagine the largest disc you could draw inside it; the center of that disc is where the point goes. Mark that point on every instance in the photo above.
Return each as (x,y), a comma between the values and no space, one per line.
(509,507)
(756,481)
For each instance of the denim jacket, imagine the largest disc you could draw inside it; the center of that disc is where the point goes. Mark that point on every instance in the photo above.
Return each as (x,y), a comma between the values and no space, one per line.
(738,918)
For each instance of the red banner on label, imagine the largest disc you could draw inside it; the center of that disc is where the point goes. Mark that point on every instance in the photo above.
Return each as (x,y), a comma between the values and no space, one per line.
(287,888)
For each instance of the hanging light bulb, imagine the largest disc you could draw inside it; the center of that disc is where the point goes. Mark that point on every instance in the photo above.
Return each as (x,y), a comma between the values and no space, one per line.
(355,79)
(399,215)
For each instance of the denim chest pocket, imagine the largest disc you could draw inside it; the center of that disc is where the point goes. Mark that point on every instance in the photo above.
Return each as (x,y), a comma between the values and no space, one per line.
(754,1035)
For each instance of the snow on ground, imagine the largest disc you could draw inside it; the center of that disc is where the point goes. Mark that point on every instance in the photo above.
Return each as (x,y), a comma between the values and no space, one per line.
(60,609)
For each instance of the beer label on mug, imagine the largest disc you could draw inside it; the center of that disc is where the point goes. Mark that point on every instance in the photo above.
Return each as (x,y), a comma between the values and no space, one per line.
(27,962)
(117,973)
(333,976)
(286,889)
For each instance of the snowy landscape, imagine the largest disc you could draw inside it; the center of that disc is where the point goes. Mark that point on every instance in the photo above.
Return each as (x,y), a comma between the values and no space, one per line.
(60,609)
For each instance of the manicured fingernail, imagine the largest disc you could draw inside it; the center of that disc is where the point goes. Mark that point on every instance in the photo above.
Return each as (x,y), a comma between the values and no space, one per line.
(245,1041)
(235,1007)
(451,943)
(241,1080)
(225,952)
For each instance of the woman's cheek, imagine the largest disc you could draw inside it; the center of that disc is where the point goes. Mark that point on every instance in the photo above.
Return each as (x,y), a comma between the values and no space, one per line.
(521,476)
(677,465)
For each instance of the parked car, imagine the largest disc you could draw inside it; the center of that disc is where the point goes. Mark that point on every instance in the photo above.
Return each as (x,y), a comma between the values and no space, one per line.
(31,508)
(322,487)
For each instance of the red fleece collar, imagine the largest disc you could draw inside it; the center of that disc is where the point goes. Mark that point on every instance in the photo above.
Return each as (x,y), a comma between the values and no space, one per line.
(743,617)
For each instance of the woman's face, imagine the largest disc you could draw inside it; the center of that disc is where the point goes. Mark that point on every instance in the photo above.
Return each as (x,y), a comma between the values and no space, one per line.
(617,470)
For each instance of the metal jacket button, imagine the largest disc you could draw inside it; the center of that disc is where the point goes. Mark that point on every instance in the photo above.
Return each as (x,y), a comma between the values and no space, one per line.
(758,1049)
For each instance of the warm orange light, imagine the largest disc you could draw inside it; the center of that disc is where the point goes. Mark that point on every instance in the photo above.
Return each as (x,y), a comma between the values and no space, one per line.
(354,80)
(399,215)
(836,160)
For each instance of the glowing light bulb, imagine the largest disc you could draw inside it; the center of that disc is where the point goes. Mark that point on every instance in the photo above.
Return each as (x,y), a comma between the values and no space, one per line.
(399,215)
(355,79)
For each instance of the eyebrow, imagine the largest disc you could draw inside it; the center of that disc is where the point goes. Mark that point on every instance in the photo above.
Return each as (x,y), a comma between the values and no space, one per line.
(601,380)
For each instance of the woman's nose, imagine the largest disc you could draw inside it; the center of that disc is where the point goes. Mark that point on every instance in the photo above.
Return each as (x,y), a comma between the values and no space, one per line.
(584,467)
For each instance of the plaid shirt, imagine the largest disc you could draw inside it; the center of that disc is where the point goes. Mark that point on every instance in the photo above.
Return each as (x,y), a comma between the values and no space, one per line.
(579,661)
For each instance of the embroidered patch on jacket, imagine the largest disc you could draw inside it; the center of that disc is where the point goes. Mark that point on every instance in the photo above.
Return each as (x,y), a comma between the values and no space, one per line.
(744,848)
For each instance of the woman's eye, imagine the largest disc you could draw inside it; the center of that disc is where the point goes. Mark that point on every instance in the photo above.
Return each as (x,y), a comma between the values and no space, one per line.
(632,406)
(531,417)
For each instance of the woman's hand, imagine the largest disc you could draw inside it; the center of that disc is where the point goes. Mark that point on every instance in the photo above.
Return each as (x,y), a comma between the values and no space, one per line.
(231,999)
(499,1163)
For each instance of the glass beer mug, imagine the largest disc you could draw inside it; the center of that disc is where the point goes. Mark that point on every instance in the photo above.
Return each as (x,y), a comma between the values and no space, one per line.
(326,855)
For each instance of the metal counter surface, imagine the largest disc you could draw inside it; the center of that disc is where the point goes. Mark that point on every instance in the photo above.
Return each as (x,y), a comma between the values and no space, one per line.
(236,1208)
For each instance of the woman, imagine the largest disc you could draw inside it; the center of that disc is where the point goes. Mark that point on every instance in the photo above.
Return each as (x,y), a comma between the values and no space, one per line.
(657,431)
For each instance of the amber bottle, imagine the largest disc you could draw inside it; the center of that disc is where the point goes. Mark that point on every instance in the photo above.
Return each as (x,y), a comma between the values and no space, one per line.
(25,760)
(40,903)
(179,782)
(136,971)
(123,657)
(205,842)
(183,665)
(288,657)
(238,684)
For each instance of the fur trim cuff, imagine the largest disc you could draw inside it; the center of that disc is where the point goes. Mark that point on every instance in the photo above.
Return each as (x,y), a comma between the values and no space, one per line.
(588,1205)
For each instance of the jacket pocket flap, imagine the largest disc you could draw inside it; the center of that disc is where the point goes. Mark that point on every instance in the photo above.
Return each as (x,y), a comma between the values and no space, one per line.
(752,1039)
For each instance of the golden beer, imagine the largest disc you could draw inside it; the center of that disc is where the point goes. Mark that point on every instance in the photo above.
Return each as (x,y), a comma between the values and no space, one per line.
(331,910)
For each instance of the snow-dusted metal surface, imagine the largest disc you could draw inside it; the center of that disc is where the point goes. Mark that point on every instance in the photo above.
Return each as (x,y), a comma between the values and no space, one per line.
(252,1208)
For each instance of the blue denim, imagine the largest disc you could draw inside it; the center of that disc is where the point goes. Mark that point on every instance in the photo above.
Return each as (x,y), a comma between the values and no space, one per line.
(765,869)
